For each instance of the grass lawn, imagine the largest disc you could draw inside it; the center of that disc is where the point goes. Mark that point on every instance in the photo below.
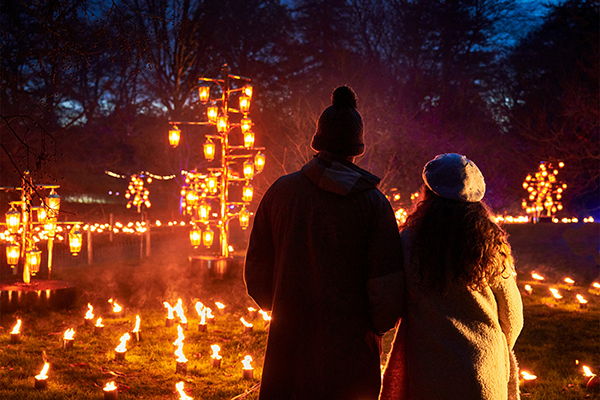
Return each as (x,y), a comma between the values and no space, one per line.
(558,334)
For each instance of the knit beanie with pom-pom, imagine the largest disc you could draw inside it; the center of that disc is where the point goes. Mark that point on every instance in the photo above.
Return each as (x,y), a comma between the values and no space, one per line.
(340,126)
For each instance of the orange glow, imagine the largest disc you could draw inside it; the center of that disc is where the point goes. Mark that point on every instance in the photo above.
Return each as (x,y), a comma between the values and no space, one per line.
(569,281)
(209,313)
(555,293)
(222,124)
(259,161)
(215,351)
(264,314)
(179,311)
(248,169)
(110,386)
(596,285)
(537,276)
(527,376)
(251,309)
(528,289)
(246,362)
(99,323)
(182,395)
(244,104)
(116,307)
(137,324)
(204,93)
(219,305)
(212,113)
(17,327)
(89,314)
(246,324)
(180,336)
(247,91)
(121,347)
(201,310)
(581,299)
(587,371)
(43,373)
(69,333)
(245,125)
(170,310)
(249,139)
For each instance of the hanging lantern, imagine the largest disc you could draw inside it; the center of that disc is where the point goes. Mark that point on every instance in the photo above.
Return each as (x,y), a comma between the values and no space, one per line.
(249,139)
(207,237)
(212,183)
(53,202)
(174,136)
(244,104)
(195,236)
(259,161)
(204,93)
(247,91)
(245,124)
(13,220)
(33,259)
(41,214)
(212,113)
(191,198)
(248,169)
(50,228)
(247,193)
(244,217)
(75,240)
(12,254)
(204,211)
(209,150)
(222,124)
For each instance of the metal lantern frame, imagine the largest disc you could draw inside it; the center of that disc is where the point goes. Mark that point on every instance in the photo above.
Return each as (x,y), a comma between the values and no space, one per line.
(206,197)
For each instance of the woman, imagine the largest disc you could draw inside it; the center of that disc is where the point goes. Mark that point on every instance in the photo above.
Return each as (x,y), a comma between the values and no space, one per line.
(461,308)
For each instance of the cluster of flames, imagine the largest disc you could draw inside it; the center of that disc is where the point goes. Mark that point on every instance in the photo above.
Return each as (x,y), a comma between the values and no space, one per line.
(556,293)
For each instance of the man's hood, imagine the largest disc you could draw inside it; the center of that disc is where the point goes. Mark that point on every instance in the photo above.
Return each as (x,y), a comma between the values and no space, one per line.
(337,175)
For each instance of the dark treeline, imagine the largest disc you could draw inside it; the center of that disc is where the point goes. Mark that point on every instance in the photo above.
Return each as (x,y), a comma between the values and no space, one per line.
(89,86)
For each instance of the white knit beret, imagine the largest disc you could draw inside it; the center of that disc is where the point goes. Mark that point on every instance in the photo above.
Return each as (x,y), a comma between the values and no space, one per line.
(454,177)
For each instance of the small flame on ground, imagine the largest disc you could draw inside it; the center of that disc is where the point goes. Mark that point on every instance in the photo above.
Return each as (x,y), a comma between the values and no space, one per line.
(219,305)
(527,376)
(596,285)
(179,311)
(89,314)
(117,307)
(137,324)
(528,289)
(555,293)
(69,333)
(179,353)
(99,323)
(569,281)
(251,309)
(537,276)
(202,314)
(43,372)
(170,310)
(17,327)
(246,324)
(182,395)
(246,361)
(264,314)
(587,371)
(121,347)
(110,386)
(215,351)
(180,336)
(581,299)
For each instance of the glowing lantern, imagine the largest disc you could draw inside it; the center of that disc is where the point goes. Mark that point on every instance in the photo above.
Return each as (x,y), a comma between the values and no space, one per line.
(248,169)
(204,93)
(212,183)
(204,211)
(245,125)
(75,240)
(53,202)
(195,236)
(33,259)
(222,124)
(41,214)
(209,150)
(182,395)
(259,161)
(12,254)
(247,193)
(50,228)
(174,136)
(244,104)
(13,219)
(212,113)
(247,91)
(207,237)
(248,139)
(244,217)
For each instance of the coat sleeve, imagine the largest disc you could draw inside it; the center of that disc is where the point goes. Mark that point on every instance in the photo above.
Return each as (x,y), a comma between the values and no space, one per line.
(510,307)
(386,273)
(260,257)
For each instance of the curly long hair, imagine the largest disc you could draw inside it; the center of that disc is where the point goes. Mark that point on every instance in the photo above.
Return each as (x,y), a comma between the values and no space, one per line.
(455,241)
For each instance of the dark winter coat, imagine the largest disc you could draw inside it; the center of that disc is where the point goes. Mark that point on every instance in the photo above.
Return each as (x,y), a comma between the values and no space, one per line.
(319,235)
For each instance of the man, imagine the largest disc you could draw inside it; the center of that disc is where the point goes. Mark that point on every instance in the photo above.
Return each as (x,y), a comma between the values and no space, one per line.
(321,236)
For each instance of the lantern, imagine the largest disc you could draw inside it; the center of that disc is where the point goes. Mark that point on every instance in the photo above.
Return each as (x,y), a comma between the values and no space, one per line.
(248,139)
(12,254)
(13,220)
(259,161)
(50,228)
(53,202)
(209,150)
(174,136)
(247,91)
(248,169)
(75,240)
(212,113)
(204,93)
(204,211)
(41,214)
(244,217)
(207,237)
(222,124)
(245,124)
(33,258)
(247,193)
(244,104)
(212,183)
(195,237)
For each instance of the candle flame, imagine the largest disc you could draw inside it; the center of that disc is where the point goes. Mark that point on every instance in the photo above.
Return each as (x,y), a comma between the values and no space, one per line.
(219,305)
(215,351)
(537,276)
(587,371)
(69,333)
(117,307)
(137,324)
(16,327)
(555,293)
(89,314)
(528,289)
(99,323)
(43,372)
(121,347)
(180,336)
(110,386)
(264,314)
(209,313)
(581,299)
(182,395)
(527,376)
(179,311)
(169,310)
(246,361)
(251,309)
(246,324)
(179,353)
(596,285)
(202,314)
(569,281)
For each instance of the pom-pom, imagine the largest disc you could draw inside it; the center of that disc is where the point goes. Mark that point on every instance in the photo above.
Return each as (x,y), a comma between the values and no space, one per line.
(343,96)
